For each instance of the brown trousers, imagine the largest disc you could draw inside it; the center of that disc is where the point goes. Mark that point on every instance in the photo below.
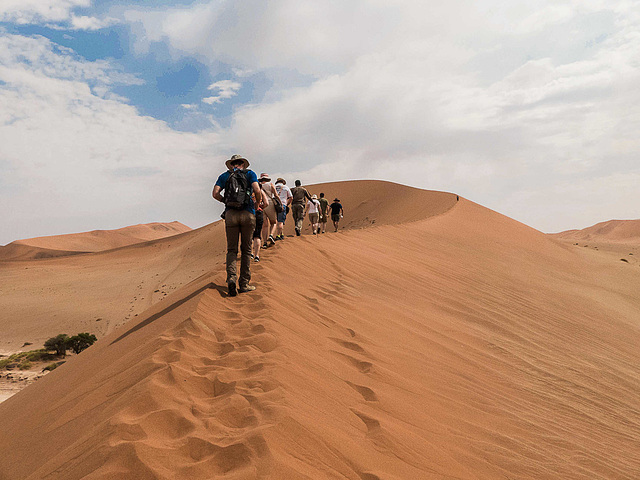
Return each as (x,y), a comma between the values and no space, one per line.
(239,225)
(298,214)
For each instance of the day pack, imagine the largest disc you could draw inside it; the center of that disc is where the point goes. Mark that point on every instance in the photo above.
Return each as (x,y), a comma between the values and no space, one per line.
(236,190)
(277,204)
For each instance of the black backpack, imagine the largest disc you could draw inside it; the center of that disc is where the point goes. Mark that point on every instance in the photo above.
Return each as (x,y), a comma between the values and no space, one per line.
(236,190)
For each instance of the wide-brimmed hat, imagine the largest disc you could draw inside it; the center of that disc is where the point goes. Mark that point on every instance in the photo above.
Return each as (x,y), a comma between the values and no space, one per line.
(235,158)
(314,197)
(336,200)
(281,180)
(265,176)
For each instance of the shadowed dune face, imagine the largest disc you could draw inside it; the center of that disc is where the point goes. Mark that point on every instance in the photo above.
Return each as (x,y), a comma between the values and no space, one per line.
(465,345)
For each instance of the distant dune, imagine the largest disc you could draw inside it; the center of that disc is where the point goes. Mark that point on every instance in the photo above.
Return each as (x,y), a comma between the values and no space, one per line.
(612,231)
(94,241)
(443,341)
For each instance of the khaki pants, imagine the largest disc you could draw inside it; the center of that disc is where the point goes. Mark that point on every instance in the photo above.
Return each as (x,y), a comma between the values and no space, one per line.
(298,214)
(239,225)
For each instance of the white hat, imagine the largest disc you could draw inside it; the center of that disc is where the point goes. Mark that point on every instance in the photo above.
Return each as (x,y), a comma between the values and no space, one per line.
(314,197)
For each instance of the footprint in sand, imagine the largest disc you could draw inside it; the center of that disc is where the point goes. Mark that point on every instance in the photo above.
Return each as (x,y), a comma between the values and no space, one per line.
(350,345)
(368,394)
(361,365)
(371,423)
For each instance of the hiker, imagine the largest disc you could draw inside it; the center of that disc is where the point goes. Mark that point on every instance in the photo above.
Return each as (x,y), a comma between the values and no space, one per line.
(313,207)
(285,198)
(239,218)
(336,212)
(324,213)
(257,232)
(297,205)
(270,213)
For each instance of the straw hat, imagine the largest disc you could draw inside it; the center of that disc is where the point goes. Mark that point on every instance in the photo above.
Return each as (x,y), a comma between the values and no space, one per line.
(235,158)
(281,180)
(314,197)
(265,176)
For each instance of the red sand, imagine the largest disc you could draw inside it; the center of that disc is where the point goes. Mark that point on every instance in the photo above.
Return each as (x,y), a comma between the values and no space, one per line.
(94,241)
(463,345)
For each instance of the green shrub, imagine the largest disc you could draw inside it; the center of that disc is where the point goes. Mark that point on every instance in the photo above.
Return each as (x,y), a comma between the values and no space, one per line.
(59,343)
(26,365)
(52,366)
(81,342)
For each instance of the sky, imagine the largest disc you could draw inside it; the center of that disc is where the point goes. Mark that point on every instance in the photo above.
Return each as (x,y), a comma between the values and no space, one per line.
(116,112)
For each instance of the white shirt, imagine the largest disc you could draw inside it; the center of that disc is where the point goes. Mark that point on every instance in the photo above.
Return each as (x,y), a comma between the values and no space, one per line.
(313,206)
(283,192)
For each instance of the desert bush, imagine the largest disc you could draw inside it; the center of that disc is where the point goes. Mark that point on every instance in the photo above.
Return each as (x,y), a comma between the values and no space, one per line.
(26,365)
(81,342)
(52,366)
(59,343)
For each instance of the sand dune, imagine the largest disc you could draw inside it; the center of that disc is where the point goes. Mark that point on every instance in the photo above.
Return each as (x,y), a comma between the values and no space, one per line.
(460,345)
(612,231)
(94,241)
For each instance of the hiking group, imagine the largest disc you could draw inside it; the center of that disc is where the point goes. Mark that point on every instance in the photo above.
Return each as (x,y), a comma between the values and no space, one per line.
(255,214)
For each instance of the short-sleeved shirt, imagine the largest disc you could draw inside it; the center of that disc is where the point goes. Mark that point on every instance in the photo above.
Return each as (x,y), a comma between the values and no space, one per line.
(335,208)
(283,192)
(251,178)
(299,195)
(324,206)
(312,206)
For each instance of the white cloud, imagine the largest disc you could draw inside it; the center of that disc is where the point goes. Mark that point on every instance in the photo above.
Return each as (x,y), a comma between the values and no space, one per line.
(51,13)
(224,89)
(74,160)
(526,107)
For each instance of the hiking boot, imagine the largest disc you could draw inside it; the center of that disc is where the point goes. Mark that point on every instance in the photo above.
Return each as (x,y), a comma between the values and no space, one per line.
(280,237)
(271,240)
(257,259)
(297,232)
(232,289)
(247,288)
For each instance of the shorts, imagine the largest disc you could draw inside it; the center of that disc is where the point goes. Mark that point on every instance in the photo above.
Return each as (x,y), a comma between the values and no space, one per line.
(335,218)
(323,218)
(313,217)
(259,222)
(282,216)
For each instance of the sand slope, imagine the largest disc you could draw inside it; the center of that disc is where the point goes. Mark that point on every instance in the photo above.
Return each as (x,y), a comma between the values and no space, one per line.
(612,231)
(97,292)
(94,241)
(465,345)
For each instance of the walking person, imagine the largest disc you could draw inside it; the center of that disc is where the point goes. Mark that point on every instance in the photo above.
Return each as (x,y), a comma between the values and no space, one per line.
(239,217)
(299,194)
(257,232)
(271,217)
(313,208)
(336,212)
(285,198)
(324,213)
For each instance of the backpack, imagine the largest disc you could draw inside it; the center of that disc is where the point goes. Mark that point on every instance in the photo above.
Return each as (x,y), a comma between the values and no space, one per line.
(236,190)
(277,203)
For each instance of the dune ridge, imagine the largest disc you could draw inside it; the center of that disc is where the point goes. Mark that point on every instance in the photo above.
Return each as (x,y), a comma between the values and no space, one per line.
(94,241)
(611,231)
(464,345)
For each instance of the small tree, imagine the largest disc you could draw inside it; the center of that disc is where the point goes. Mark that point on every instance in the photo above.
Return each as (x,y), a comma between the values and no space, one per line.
(59,343)
(81,342)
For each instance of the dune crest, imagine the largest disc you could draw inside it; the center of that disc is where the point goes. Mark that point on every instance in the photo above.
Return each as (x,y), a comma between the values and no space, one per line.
(463,345)
(94,241)
(612,231)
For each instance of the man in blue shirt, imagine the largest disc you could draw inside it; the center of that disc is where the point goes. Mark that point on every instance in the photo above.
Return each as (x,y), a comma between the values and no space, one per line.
(239,224)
